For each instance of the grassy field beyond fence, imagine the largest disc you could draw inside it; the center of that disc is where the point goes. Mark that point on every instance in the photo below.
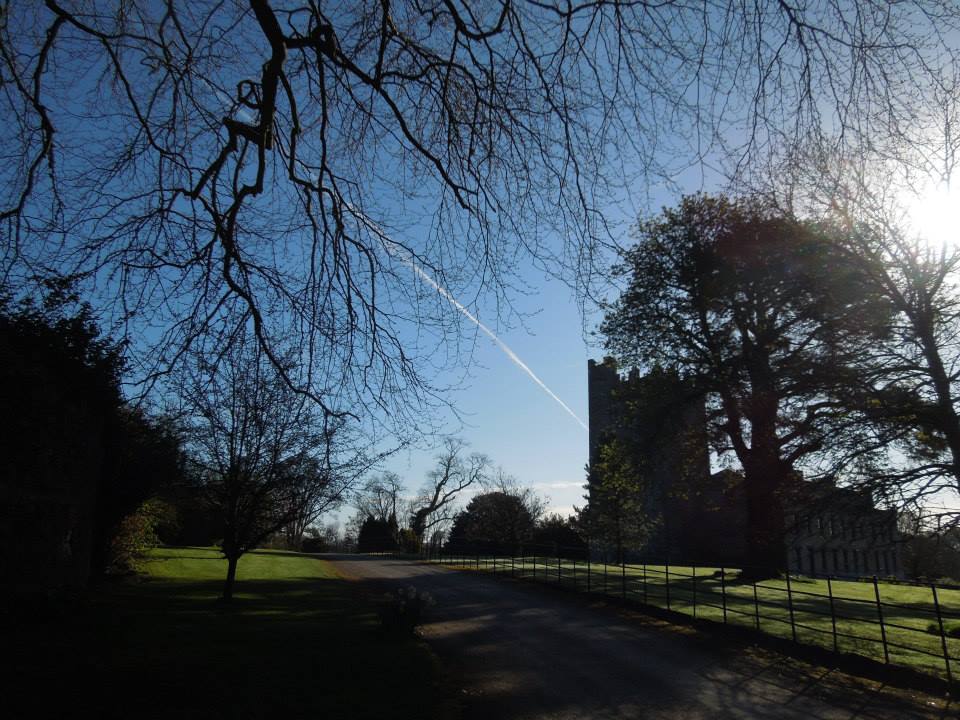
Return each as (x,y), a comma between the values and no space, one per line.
(896,623)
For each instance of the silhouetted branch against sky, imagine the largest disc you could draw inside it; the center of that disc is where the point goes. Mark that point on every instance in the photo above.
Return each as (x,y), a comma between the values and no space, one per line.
(909,380)
(207,169)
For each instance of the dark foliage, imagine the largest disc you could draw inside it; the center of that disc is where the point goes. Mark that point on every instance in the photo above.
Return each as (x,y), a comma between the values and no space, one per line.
(77,459)
(766,317)
(377,535)
(143,459)
(315,545)
(403,610)
(198,522)
(492,521)
(562,536)
(59,399)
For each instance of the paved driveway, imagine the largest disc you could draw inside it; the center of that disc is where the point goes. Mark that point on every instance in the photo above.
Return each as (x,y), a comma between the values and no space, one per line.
(522,652)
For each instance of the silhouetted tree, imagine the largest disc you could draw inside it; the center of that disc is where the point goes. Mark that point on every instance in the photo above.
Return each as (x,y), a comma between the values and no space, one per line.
(909,385)
(322,477)
(764,314)
(456,471)
(377,535)
(930,545)
(493,521)
(248,155)
(381,497)
(78,459)
(144,459)
(561,535)
(906,386)
(59,403)
(260,450)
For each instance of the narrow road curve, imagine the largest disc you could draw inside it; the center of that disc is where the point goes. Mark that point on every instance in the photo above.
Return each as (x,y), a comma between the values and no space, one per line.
(524,652)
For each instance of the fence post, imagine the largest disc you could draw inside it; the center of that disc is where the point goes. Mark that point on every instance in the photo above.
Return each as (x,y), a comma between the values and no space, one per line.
(559,579)
(623,578)
(793,624)
(512,565)
(644,582)
(574,574)
(588,570)
(883,632)
(943,635)
(606,587)
(694,576)
(833,614)
(666,575)
(756,605)
(723,593)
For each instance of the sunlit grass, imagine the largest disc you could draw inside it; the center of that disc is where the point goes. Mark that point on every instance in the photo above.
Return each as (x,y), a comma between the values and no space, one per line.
(908,611)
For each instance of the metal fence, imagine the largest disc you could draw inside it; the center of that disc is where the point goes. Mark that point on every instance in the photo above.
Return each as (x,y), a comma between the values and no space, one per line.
(903,624)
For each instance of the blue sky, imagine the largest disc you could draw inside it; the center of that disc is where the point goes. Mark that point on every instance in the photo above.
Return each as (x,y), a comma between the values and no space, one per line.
(503,412)
(509,417)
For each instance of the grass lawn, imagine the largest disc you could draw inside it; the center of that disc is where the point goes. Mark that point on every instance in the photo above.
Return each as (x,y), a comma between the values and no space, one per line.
(907,610)
(298,641)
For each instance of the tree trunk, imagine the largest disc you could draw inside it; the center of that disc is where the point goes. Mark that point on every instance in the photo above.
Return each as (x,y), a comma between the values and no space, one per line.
(231,577)
(947,420)
(764,473)
(766,553)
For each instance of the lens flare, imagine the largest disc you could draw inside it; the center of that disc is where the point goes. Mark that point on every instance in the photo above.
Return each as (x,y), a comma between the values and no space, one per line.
(934,215)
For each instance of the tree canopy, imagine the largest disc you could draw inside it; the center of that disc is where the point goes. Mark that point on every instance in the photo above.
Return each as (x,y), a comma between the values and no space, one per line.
(205,168)
(264,456)
(496,521)
(767,317)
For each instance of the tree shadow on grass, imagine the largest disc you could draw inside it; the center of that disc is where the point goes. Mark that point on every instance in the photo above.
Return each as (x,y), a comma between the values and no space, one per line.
(283,648)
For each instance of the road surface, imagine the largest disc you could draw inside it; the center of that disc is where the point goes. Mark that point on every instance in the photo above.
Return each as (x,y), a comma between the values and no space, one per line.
(521,652)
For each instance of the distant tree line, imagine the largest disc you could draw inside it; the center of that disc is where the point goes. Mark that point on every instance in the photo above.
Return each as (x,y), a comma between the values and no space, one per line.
(501,516)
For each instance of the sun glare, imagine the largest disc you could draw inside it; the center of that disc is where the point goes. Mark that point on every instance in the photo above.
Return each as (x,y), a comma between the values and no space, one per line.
(934,215)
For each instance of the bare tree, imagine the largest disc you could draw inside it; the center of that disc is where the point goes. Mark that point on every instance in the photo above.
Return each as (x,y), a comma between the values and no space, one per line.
(324,483)
(534,503)
(381,497)
(203,164)
(910,384)
(907,387)
(260,450)
(456,471)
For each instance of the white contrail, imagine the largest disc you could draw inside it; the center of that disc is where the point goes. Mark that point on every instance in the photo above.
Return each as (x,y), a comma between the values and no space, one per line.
(404,255)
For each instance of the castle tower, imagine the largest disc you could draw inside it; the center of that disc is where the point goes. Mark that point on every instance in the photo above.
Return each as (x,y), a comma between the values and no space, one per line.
(662,419)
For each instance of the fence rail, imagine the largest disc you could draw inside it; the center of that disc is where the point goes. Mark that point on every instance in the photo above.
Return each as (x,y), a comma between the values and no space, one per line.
(909,625)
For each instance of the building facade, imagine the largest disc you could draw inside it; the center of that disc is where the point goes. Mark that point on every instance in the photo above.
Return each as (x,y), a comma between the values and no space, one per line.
(838,531)
(701,517)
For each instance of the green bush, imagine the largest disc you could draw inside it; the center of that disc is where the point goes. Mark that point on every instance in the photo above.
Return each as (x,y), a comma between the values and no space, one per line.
(137,533)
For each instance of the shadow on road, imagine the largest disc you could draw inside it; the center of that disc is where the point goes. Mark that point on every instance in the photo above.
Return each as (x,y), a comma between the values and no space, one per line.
(525,652)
